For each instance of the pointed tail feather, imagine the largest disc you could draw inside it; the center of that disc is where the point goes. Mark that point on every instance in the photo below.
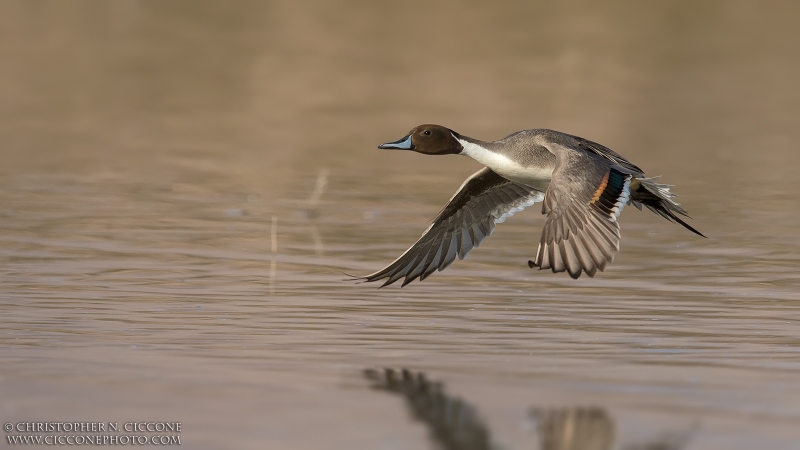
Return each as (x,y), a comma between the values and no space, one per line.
(658,198)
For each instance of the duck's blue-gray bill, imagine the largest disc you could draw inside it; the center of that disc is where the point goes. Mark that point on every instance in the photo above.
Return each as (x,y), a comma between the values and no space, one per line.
(403,144)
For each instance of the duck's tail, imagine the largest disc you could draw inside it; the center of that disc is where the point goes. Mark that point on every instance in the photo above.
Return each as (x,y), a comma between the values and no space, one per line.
(657,198)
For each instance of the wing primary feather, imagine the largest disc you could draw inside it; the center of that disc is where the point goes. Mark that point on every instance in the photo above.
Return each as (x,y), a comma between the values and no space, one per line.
(466,244)
(416,269)
(570,259)
(479,236)
(557,260)
(575,267)
(593,249)
(544,262)
(400,272)
(605,248)
(433,263)
(469,228)
(451,253)
(584,259)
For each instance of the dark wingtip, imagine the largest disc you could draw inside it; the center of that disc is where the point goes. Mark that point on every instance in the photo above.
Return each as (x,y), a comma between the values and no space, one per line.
(576,275)
(374,277)
(387,283)
(414,278)
(361,280)
(354,278)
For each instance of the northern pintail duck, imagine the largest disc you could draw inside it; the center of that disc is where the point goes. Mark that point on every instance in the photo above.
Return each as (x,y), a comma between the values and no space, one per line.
(583,186)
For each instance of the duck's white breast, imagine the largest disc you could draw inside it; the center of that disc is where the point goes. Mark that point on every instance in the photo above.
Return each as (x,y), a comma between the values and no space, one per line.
(537,177)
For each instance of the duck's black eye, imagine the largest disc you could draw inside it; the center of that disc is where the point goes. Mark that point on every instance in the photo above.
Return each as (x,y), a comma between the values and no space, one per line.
(427,132)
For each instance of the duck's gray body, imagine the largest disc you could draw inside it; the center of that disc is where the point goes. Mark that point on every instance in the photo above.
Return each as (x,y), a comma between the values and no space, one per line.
(584,187)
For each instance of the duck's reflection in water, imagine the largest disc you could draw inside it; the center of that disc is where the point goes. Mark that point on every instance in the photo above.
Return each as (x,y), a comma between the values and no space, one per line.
(456,425)
(574,428)
(453,422)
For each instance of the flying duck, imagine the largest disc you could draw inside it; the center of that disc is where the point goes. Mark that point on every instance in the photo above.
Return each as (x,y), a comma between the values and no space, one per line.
(583,186)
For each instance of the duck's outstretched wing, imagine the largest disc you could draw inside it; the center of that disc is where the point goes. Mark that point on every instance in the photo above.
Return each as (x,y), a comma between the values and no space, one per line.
(484,200)
(582,203)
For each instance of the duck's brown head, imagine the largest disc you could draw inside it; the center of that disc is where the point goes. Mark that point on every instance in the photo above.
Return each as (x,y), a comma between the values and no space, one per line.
(428,139)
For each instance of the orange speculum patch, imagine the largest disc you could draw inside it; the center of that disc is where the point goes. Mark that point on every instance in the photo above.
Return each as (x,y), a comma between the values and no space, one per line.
(602,188)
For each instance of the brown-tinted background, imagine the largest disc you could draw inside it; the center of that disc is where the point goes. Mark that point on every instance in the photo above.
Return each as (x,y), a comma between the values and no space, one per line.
(148,147)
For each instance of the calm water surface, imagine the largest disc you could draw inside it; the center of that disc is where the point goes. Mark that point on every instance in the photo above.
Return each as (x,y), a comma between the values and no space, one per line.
(160,259)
